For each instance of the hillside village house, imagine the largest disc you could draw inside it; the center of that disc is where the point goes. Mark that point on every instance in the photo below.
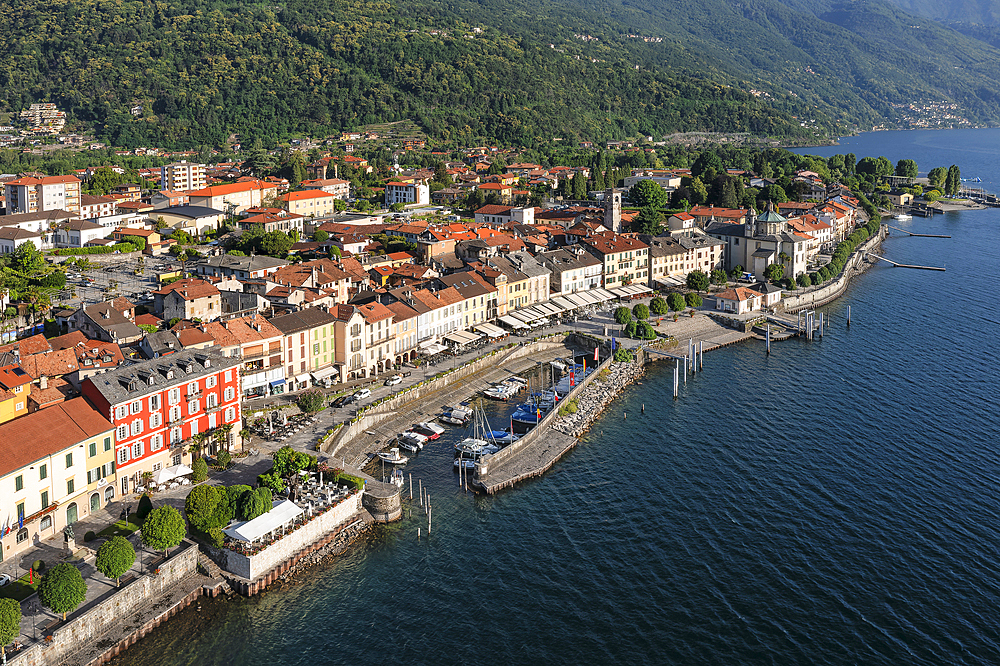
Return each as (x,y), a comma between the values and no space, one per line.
(340,189)
(194,219)
(572,269)
(624,257)
(234,198)
(417,193)
(52,465)
(258,343)
(158,405)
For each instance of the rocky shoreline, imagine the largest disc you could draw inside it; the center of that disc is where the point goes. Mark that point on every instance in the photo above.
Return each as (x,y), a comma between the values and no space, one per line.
(595,397)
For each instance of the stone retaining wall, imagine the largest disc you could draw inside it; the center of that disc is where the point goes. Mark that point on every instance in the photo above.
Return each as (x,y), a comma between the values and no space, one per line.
(88,625)
(375,415)
(384,509)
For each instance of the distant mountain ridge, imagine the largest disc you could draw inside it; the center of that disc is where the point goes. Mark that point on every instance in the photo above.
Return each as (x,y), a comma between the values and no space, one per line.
(511,71)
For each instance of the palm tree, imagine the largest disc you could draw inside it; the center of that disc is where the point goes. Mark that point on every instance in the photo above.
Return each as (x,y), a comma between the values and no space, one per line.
(783,258)
(221,434)
(197,444)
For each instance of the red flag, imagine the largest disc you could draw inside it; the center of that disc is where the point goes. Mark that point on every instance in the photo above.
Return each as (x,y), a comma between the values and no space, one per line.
(572,378)
(595,353)
(30,575)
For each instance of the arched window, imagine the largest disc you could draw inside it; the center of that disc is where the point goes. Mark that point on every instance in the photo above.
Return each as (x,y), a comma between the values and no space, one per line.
(22,534)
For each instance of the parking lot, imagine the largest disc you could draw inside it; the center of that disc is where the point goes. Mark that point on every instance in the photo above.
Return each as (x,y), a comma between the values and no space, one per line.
(130,278)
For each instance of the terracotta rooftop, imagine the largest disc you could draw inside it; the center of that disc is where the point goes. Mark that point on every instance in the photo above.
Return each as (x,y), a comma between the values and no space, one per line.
(32,437)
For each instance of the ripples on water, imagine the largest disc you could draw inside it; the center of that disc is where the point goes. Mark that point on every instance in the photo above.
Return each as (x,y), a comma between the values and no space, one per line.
(833,503)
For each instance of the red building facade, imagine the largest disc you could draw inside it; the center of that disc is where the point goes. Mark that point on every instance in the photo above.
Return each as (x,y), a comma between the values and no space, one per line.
(158,405)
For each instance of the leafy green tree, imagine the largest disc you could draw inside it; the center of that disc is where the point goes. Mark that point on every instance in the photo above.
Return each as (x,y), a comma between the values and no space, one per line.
(200,470)
(658,306)
(644,331)
(163,528)
(272,481)
(275,243)
(737,272)
(936,177)
(115,557)
(906,168)
(953,182)
(288,461)
(321,236)
(630,328)
(10,622)
(675,301)
(648,194)
(339,205)
(27,259)
(719,276)
(62,589)
(622,315)
(579,184)
(256,503)
(640,311)
(775,193)
(145,506)
(698,193)
(697,280)
(648,221)
(692,300)
(623,355)
(397,207)
(774,272)
(803,280)
(200,506)
(707,161)
(136,241)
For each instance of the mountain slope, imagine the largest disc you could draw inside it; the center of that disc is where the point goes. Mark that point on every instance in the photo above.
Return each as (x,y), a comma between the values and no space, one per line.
(511,71)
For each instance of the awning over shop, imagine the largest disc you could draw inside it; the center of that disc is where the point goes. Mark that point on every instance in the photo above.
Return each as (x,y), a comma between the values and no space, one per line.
(564,303)
(277,382)
(578,300)
(491,330)
(671,281)
(462,337)
(432,349)
(324,373)
(281,514)
(602,294)
(512,322)
(549,308)
(301,379)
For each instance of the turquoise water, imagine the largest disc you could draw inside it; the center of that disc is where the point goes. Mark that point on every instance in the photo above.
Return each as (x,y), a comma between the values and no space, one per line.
(835,502)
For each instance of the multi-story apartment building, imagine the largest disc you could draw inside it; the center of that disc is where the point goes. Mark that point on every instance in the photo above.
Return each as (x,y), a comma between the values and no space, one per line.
(310,203)
(182,176)
(308,344)
(407,193)
(35,195)
(624,257)
(364,339)
(572,269)
(480,297)
(339,188)
(234,198)
(44,472)
(157,406)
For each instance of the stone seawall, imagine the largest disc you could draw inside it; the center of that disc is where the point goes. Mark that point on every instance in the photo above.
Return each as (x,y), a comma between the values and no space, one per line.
(835,289)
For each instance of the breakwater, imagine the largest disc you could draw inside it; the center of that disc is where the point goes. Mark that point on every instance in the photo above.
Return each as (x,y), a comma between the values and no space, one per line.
(584,409)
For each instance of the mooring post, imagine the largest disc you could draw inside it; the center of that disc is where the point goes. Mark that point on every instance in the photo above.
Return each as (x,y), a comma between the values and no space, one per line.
(701,354)
(685,370)
(418,534)
(768,339)
(821,323)
(411,486)
(420,486)
(677,370)
(848,316)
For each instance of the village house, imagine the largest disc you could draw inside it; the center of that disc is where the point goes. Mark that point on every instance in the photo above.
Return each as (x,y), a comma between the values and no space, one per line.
(309,345)
(234,198)
(189,298)
(572,269)
(739,300)
(363,340)
(258,344)
(49,193)
(338,188)
(309,203)
(625,258)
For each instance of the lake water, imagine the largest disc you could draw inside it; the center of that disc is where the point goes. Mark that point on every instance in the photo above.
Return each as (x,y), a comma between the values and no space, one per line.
(833,503)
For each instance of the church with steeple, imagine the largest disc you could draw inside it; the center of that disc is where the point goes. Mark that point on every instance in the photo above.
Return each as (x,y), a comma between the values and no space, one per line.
(763,240)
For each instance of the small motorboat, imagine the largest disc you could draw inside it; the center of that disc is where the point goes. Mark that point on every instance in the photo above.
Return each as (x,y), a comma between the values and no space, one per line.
(502,437)
(498,392)
(393,457)
(410,438)
(474,446)
(451,419)
(428,430)
(396,478)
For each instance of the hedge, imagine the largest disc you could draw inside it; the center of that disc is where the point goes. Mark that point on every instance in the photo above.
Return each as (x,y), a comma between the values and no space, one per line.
(123,248)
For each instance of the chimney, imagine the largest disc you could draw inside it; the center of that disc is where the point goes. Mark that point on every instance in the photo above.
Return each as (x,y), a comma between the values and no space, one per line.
(43,382)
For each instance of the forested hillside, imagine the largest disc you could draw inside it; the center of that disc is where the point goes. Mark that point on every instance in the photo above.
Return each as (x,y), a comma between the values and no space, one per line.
(515,72)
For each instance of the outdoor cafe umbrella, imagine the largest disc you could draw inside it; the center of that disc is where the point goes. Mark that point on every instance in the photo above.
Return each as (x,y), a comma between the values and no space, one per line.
(162,476)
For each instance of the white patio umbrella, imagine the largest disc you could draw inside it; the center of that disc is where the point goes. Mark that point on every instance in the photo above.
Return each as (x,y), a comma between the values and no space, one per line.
(180,470)
(162,476)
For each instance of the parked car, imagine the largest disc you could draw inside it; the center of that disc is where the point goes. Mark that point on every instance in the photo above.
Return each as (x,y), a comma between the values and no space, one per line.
(362,394)
(342,400)
(395,379)
(4,580)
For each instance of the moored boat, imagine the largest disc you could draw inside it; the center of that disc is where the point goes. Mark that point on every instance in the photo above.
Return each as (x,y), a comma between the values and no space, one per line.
(393,457)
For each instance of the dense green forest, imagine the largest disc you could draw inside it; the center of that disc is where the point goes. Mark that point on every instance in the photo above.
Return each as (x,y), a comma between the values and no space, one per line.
(515,72)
